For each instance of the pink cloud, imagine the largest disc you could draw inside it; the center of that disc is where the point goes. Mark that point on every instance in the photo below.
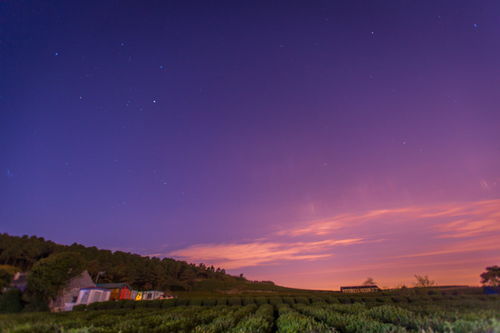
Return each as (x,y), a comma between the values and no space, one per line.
(473,245)
(392,244)
(476,217)
(233,256)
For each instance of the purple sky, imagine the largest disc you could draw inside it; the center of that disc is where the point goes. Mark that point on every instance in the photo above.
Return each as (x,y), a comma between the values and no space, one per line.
(313,143)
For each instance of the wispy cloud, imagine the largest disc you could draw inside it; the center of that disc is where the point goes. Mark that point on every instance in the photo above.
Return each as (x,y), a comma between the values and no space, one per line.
(451,220)
(233,255)
(472,245)
(377,241)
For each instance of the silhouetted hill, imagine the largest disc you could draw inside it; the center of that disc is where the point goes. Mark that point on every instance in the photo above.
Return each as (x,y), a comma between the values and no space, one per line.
(140,272)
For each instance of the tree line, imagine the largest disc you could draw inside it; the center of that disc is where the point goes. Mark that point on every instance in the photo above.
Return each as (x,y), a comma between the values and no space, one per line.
(107,266)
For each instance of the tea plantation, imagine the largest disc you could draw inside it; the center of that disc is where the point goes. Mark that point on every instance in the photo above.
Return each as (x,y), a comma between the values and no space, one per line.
(263,314)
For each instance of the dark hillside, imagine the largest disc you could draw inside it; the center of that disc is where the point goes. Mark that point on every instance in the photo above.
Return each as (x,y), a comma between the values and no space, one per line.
(139,271)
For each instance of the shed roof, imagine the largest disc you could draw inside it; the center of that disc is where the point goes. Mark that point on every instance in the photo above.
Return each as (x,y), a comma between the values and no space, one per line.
(20,281)
(93,288)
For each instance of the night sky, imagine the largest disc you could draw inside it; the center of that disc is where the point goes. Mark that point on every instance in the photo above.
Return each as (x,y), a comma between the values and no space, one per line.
(313,143)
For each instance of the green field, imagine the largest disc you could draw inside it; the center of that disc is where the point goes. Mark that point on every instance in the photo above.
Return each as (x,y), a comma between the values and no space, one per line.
(429,311)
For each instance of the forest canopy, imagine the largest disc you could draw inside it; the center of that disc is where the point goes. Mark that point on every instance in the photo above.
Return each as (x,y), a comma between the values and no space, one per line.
(140,272)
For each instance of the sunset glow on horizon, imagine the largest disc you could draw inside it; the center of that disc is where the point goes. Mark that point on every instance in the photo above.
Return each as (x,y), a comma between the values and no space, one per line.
(443,240)
(313,144)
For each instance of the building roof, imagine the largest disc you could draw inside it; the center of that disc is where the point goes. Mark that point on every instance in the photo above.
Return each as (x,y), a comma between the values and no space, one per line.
(20,277)
(20,281)
(113,285)
(360,287)
(79,281)
(93,288)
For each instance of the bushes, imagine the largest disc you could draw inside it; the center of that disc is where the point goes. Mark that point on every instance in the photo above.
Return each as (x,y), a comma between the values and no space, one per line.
(290,321)
(331,300)
(346,308)
(36,304)
(464,326)
(226,321)
(344,300)
(222,301)
(234,301)
(10,301)
(260,322)
(167,303)
(210,302)
(182,301)
(457,316)
(196,302)
(275,300)
(397,299)
(395,315)
(80,307)
(261,300)
(128,304)
(347,318)
(301,300)
(248,301)
(316,300)
(125,304)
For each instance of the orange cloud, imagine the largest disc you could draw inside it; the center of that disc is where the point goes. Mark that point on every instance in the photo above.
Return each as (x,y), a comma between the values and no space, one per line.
(234,255)
(476,217)
(474,245)
(388,243)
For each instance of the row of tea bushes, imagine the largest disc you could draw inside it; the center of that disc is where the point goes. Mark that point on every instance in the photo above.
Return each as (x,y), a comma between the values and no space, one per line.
(262,321)
(319,317)
(290,300)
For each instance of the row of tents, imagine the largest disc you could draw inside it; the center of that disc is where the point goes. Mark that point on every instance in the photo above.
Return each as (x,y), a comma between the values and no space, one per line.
(82,290)
(89,292)
(115,291)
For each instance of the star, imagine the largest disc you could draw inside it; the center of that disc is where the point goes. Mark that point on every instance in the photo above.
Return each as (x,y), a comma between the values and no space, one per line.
(154,101)
(56,54)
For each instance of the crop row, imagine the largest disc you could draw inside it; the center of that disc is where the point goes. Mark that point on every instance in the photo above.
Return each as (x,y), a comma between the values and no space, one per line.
(388,318)
(463,301)
(260,322)
(319,317)
(291,321)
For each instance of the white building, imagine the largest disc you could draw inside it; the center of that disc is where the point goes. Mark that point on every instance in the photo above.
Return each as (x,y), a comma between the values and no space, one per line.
(92,295)
(152,295)
(67,296)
